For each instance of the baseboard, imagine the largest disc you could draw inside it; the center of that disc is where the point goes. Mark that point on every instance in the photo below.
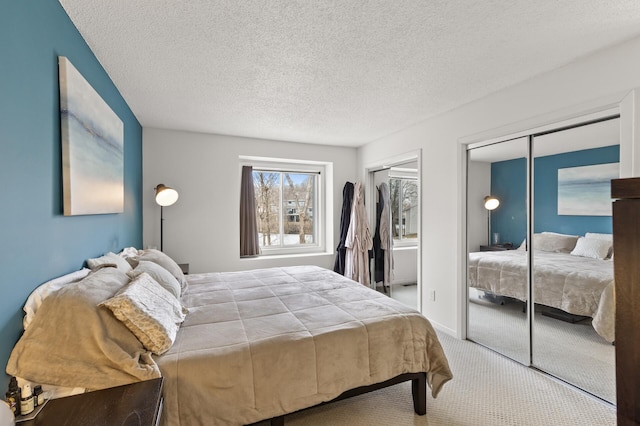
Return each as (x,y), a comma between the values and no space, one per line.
(444,329)
(404,282)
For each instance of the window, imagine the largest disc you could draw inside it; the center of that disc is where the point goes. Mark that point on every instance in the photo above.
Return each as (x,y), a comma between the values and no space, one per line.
(403,198)
(289,200)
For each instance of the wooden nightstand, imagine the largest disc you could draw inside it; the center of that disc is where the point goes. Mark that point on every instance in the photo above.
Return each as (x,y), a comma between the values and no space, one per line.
(134,404)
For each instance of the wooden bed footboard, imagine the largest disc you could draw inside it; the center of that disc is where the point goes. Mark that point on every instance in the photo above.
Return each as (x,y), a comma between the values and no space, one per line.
(418,391)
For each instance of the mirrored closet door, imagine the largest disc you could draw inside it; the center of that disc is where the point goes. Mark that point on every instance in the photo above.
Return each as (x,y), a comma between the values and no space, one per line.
(539,235)
(573,325)
(496,227)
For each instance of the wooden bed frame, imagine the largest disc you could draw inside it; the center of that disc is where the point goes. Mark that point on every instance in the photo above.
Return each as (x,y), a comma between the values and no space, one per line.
(418,390)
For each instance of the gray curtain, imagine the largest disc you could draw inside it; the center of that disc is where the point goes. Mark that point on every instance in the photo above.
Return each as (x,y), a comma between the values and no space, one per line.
(249,243)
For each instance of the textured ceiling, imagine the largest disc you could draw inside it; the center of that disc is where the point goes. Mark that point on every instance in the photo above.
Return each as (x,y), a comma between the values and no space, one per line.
(327,71)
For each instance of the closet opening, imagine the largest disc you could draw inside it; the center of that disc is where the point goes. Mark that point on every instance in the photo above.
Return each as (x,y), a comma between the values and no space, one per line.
(400,178)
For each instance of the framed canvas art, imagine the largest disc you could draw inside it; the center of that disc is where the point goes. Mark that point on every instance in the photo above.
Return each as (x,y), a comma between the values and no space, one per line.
(586,190)
(92,147)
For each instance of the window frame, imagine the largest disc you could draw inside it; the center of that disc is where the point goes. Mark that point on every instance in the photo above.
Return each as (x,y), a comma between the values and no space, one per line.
(319,200)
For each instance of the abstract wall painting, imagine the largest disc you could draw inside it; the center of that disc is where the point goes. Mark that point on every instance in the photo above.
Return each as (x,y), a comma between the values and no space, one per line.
(92,147)
(586,190)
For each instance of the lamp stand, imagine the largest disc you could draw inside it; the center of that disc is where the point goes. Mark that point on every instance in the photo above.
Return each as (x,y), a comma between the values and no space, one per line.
(488,228)
(161,225)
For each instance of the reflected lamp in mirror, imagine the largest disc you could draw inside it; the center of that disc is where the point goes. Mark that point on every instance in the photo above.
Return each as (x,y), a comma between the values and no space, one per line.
(491,203)
(165,196)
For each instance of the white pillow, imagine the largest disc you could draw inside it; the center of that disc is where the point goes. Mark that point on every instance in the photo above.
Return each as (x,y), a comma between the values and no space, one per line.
(592,247)
(38,295)
(608,237)
(151,313)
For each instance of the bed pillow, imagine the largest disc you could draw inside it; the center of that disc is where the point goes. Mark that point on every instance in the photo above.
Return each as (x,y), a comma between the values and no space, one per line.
(73,343)
(37,296)
(109,259)
(151,313)
(592,247)
(161,275)
(606,237)
(156,256)
(553,242)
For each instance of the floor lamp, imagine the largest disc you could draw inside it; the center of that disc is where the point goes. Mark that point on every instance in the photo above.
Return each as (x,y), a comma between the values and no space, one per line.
(490,203)
(165,196)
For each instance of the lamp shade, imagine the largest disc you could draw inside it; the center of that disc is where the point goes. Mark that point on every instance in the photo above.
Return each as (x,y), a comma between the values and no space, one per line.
(491,203)
(165,196)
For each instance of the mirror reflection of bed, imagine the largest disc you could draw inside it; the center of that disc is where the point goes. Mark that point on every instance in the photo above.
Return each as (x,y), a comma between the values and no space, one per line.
(551,187)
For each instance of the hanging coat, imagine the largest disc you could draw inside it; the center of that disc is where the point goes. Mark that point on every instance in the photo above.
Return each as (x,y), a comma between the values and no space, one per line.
(358,241)
(378,253)
(386,239)
(345,218)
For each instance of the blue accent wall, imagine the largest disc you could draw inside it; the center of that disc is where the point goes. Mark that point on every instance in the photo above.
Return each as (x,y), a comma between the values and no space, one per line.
(508,183)
(37,241)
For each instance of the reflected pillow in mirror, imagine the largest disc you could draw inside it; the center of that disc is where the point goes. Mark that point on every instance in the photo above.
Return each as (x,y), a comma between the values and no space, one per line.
(592,247)
(555,243)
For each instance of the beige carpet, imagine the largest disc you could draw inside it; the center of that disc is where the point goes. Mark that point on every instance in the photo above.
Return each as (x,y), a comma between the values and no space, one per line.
(487,389)
(572,352)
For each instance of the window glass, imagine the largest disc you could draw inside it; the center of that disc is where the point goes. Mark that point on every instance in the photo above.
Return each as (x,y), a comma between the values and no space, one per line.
(403,198)
(286,208)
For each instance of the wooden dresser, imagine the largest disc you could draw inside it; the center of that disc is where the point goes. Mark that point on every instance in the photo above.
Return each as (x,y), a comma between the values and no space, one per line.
(626,255)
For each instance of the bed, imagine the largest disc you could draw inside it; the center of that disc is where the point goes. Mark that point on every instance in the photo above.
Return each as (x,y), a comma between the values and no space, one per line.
(564,278)
(251,346)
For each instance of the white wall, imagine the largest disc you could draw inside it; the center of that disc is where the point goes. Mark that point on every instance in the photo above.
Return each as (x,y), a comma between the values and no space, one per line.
(477,217)
(202,228)
(580,85)
(405,265)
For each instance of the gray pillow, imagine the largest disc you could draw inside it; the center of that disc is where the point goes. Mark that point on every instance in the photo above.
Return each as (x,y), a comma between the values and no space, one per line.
(553,242)
(156,256)
(160,274)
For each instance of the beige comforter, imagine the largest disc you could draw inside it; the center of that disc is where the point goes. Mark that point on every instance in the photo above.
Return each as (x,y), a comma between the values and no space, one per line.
(262,343)
(578,285)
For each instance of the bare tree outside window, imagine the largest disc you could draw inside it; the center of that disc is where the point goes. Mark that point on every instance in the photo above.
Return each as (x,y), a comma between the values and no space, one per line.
(403,198)
(267,190)
(302,193)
